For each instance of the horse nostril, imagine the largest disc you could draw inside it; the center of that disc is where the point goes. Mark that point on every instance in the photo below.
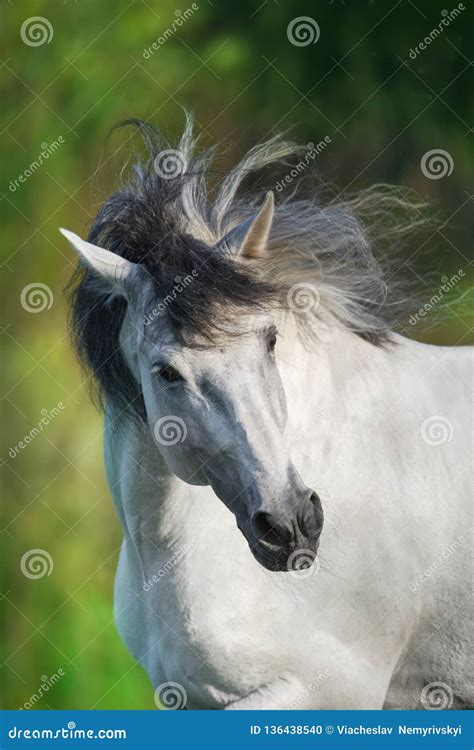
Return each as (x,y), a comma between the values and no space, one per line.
(314,498)
(265,527)
(315,501)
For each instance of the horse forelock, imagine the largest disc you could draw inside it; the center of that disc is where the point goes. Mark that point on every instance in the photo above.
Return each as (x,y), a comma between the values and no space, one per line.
(171,224)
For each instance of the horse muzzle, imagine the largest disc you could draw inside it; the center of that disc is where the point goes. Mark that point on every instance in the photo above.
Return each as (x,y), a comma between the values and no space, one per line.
(287,542)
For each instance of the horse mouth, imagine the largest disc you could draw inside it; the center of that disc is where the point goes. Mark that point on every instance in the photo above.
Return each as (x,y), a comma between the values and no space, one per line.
(296,560)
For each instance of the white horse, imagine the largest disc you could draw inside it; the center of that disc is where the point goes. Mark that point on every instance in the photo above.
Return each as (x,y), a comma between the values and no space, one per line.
(223,446)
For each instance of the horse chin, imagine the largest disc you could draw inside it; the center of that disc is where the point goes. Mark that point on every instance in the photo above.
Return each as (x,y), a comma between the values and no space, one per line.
(275,562)
(285,560)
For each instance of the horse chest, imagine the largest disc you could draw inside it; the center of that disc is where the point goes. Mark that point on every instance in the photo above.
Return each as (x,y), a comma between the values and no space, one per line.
(214,633)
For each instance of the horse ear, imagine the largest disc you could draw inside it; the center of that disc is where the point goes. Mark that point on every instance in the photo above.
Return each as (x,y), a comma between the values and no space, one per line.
(108,265)
(249,239)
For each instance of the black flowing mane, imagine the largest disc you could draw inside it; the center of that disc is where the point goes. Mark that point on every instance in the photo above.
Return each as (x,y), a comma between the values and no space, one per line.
(166,220)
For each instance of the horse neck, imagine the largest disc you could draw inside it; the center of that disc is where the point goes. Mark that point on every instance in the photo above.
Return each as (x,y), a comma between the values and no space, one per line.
(313,370)
(329,377)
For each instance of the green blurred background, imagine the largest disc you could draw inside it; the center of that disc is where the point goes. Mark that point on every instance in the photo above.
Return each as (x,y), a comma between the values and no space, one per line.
(234,67)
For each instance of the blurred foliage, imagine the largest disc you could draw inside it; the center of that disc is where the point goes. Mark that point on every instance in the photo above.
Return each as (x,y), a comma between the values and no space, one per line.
(233,66)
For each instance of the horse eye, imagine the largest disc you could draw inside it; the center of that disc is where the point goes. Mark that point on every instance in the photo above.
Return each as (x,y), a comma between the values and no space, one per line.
(169,374)
(272,342)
